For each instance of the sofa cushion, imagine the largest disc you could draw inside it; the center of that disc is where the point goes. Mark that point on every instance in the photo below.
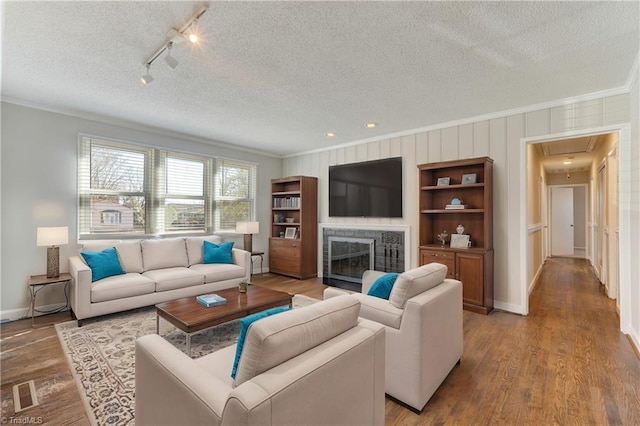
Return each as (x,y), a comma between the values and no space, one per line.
(130,255)
(244,326)
(416,281)
(195,247)
(278,338)
(121,286)
(219,271)
(103,263)
(382,286)
(173,278)
(214,253)
(164,253)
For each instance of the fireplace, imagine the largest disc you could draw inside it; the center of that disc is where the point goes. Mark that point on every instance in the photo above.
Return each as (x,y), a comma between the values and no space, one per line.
(347,251)
(350,257)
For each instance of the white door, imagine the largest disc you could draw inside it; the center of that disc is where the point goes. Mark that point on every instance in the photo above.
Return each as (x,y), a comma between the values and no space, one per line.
(561,221)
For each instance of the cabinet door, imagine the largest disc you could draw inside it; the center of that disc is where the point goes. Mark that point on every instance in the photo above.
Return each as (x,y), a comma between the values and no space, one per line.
(470,269)
(439,256)
(284,256)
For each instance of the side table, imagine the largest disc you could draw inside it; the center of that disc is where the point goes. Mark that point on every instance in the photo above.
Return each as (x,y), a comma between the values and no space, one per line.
(38,282)
(259,254)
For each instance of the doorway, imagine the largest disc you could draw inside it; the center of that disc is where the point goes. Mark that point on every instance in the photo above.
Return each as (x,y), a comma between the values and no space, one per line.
(617,144)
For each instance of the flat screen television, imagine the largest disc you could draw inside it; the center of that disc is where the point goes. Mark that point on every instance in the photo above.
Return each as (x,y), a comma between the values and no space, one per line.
(366,189)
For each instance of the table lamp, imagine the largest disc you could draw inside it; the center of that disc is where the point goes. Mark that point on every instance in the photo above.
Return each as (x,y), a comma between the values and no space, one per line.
(52,237)
(248,228)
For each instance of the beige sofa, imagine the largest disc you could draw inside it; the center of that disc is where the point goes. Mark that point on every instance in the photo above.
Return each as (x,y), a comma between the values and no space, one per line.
(157,270)
(423,319)
(316,365)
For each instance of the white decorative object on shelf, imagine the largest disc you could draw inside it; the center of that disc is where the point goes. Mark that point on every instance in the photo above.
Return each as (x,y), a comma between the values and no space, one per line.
(460,229)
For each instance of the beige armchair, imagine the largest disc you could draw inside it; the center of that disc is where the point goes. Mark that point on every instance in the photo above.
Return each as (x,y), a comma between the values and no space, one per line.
(316,365)
(423,321)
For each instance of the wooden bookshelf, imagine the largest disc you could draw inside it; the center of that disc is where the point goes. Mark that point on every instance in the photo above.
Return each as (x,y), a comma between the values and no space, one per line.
(473,265)
(294,209)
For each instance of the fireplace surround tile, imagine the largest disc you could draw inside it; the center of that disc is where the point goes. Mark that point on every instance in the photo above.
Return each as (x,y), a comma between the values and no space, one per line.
(389,247)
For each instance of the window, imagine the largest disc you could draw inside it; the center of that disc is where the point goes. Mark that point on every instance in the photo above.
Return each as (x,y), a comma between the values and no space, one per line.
(111,217)
(235,193)
(132,190)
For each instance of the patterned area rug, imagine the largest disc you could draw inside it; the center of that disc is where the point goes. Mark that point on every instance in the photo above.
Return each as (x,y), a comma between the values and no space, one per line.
(101,355)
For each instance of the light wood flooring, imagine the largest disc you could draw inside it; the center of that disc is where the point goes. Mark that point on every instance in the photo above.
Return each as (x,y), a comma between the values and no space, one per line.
(564,363)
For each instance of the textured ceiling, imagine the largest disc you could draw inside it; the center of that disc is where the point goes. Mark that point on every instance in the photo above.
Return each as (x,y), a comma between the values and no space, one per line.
(276,76)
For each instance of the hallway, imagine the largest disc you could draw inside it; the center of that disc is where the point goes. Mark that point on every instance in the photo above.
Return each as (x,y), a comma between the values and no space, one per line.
(564,363)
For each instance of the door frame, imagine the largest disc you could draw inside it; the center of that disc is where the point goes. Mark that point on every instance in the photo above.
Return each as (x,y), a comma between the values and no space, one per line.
(600,251)
(624,207)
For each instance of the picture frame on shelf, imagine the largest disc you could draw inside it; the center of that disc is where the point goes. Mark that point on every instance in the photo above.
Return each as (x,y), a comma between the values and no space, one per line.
(444,181)
(290,233)
(469,178)
(460,241)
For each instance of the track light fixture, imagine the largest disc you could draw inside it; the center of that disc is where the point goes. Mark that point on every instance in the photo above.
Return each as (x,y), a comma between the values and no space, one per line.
(147,78)
(188,31)
(170,60)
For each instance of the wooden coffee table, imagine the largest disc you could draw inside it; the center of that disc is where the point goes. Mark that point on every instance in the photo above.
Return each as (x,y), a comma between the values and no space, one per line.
(190,316)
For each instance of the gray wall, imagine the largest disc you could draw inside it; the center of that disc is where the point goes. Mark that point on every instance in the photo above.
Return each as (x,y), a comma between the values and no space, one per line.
(39,188)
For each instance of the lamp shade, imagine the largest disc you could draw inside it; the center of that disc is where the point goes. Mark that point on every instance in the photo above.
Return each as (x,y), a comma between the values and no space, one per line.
(247,227)
(53,236)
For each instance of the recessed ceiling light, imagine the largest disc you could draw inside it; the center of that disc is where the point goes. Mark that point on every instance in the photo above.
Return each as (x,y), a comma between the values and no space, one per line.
(330,134)
(567,162)
(371,125)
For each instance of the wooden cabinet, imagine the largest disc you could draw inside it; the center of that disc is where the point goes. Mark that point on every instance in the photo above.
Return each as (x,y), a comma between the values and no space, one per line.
(294,211)
(473,265)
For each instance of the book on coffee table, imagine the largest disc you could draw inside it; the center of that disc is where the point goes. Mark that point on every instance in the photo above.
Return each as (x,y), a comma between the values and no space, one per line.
(208,300)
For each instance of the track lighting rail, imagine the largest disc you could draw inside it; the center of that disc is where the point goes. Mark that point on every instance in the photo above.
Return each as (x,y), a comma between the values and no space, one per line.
(176,36)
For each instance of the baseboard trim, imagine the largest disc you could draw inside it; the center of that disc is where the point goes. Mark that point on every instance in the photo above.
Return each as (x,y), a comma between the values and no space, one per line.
(534,281)
(635,343)
(509,307)
(18,314)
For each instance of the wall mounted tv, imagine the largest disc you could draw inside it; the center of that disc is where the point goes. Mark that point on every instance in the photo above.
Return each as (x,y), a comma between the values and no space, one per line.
(366,189)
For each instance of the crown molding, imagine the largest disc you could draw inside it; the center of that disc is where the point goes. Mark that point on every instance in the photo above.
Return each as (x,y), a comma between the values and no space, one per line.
(530,108)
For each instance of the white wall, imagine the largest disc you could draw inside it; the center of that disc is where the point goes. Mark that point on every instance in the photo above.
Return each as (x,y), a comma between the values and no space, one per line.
(501,137)
(630,210)
(39,181)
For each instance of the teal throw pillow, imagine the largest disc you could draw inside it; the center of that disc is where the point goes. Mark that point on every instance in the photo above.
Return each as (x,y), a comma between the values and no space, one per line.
(383,285)
(244,327)
(103,263)
(214,253)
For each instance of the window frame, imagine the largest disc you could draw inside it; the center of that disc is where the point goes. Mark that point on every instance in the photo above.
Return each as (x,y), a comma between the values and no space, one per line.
(155,190)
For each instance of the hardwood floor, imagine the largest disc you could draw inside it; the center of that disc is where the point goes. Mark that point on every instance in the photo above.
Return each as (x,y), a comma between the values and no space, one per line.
(566,362)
